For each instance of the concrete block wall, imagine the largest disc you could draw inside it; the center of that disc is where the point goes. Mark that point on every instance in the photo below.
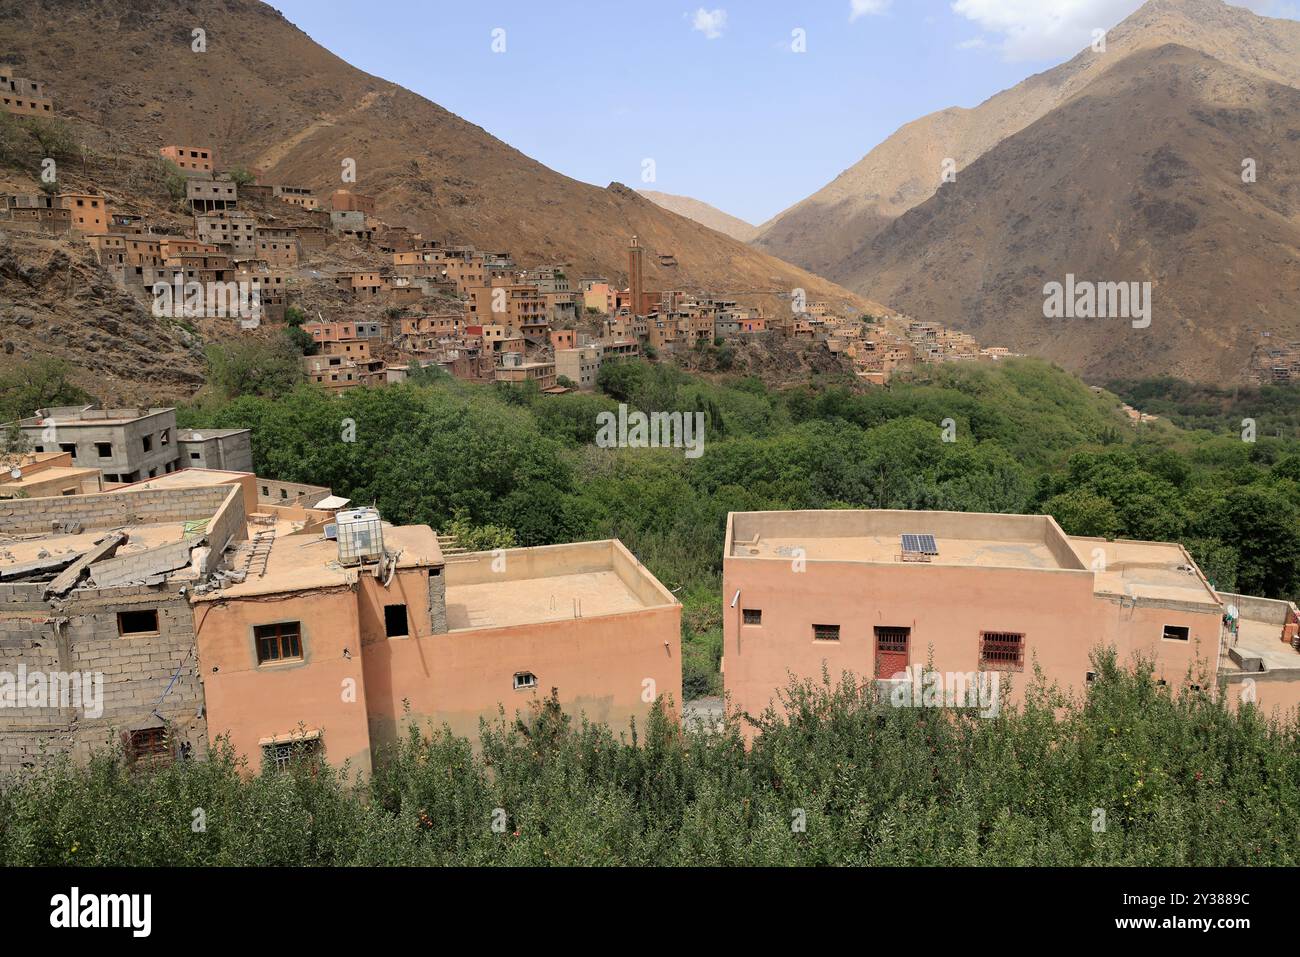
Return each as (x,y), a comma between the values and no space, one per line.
(80,634)
(437,601)
(112,509)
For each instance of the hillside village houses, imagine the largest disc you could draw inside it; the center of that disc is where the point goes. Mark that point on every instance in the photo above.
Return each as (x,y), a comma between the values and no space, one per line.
(474,314)
(183,598)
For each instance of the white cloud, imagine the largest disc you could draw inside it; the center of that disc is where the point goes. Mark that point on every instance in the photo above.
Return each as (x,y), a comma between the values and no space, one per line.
(974,43)
(862,8)
(710,22)
(1049,29)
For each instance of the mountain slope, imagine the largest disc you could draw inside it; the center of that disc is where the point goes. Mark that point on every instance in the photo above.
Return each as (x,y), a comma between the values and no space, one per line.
(266,96)
(703,213)
(822,232)
(1136,178)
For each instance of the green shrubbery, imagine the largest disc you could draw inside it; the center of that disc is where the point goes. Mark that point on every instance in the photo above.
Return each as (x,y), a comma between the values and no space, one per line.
(1128,776)
(1028,438)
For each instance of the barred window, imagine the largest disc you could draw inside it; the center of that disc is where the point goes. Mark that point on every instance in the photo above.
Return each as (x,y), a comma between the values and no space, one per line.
(1002,651)
(149,746)
(826,632)
(752,616)
(290,752)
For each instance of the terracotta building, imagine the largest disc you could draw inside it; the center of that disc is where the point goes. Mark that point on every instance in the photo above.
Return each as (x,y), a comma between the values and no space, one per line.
(868,592)
(330,641)
(192,160)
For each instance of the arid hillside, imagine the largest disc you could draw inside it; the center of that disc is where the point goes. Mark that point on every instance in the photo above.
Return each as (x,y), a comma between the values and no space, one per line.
(266,96)
(827,231)
(703,213)
(1138,178)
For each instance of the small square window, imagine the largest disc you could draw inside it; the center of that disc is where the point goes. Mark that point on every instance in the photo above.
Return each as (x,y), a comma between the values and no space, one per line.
(67,447)
(149,746)
(395,625)
(1177,633)
(752,616)
(1002,651)
(282,756)
(104,449)
(131,623)
(1090,677)
(826,632)
(279,642)
(525,680)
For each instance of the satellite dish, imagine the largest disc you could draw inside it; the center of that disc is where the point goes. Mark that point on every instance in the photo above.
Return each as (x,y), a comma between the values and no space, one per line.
(1232,612)
(15,473)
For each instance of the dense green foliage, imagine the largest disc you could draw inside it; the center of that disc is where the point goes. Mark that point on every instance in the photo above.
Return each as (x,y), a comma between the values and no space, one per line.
(1192,405)
(1129,776)
(1025,437)
(33,384)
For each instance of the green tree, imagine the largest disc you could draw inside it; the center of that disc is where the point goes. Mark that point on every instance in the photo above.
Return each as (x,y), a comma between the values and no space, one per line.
(254,367)
(28,385)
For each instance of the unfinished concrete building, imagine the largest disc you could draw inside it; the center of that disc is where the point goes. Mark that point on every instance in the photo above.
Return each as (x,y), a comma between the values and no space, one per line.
(97,638)
(229,450)
(125,444)
(211,195)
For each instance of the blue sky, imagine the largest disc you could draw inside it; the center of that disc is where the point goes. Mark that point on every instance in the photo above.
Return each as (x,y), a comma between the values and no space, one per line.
(714,94)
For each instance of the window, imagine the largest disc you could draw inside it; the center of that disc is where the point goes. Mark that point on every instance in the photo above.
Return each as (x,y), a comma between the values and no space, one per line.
(1090,677)
(826,632)
(137,622)
(195,456)
(525,680)
(752,616)
(67,447)
(891,651)
(165,436)
(395,625)
(279,642)
(290,752)
(1176,633)
(104,449)
(1002,651)
(148,745)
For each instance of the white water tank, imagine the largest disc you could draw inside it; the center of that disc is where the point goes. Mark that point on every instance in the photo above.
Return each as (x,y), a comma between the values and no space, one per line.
(361,536)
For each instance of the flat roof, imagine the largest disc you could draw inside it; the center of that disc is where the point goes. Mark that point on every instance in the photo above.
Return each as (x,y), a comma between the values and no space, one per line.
(875,536)
(547,583)
(202,435)
(75,416)
(554,598)
(28,548)
(1263,640)
(305,562)
(1152,571)
(186,478)
(1147,571)
(41,476)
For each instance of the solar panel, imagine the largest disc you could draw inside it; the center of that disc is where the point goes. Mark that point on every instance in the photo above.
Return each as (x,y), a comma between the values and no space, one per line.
(917,544)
